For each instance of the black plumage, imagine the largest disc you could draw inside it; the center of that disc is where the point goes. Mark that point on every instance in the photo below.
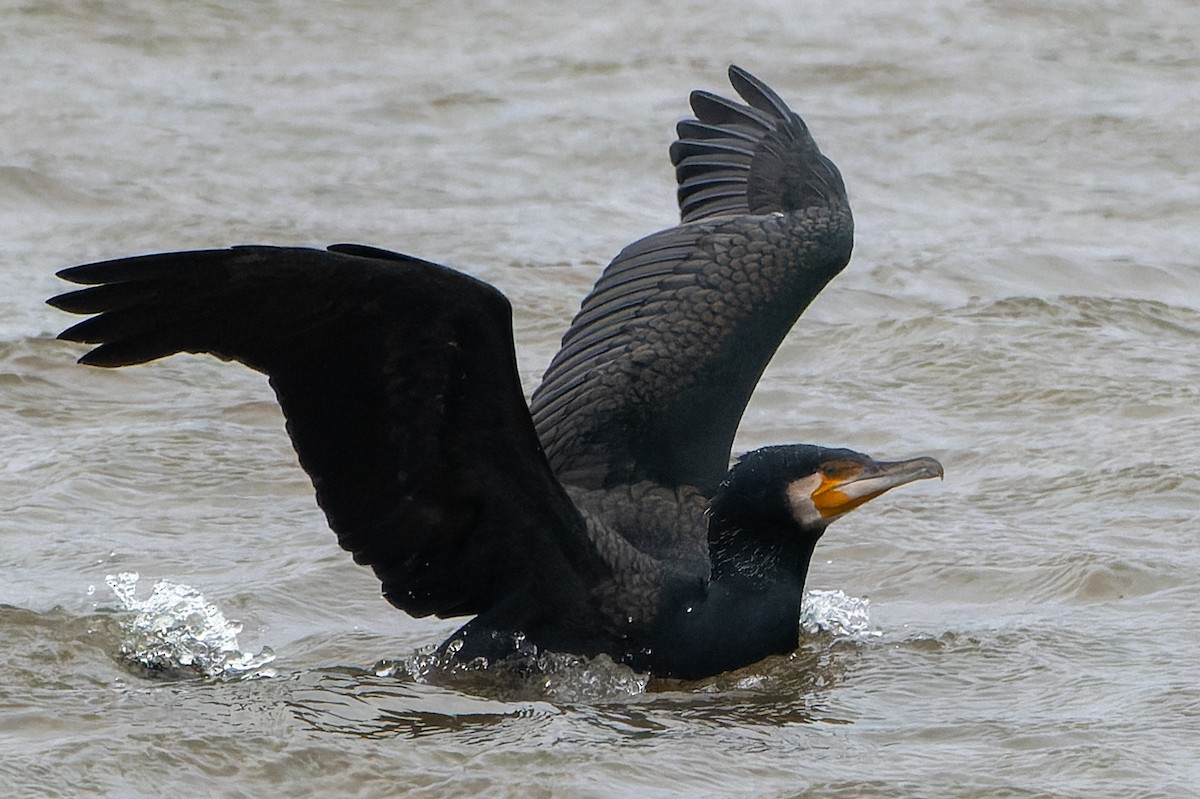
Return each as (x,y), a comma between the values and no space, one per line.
(602,517)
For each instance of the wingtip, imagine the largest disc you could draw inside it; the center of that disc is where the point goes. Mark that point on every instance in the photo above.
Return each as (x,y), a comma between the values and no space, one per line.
(757,93)
(90,358)
(79,301)
(77,274)
(77,333)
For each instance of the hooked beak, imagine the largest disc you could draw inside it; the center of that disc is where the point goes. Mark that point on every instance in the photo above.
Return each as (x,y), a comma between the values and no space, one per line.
(847,484)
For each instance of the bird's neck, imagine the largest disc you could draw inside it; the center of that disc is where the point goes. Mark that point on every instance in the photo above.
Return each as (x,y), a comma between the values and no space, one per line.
(748,546)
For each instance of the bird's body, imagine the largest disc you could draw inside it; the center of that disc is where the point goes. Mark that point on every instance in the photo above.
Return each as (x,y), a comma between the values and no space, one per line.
(602,517)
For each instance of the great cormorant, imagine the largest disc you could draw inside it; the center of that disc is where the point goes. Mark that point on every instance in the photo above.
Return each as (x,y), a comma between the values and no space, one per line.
(603,517)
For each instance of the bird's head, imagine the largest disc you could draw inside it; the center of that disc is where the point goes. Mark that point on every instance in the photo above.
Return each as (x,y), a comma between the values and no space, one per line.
(804,486)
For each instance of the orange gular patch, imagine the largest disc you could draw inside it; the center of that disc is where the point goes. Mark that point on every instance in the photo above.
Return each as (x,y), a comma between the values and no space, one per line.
(830,499)
(846,484)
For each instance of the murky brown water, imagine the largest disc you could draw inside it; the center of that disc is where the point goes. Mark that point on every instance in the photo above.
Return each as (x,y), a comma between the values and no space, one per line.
(1022,304)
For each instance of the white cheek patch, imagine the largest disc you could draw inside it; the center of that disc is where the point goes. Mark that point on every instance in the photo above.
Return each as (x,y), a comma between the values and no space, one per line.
(804,510)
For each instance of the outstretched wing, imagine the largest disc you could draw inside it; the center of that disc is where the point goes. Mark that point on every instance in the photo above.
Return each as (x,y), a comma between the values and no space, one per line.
(656,369)
(398,381)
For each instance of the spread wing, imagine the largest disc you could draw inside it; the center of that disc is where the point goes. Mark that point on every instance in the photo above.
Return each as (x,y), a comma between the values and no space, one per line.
(655,371)
(398,381)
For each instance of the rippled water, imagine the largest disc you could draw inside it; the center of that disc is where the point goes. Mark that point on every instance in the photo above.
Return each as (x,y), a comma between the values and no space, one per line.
(1022,305)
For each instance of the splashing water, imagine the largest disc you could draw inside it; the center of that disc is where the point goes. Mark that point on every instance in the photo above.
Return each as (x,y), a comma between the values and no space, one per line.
(577,679)
(528,674)
(175,632)
(835,613)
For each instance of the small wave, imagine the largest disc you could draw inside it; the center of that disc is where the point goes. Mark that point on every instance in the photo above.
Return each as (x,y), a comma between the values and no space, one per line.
(1068,311)
(176,633)
(23,187)
(362,705)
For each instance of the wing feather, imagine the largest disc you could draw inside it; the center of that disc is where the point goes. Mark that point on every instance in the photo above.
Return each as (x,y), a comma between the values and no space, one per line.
(398,382)
(655,371)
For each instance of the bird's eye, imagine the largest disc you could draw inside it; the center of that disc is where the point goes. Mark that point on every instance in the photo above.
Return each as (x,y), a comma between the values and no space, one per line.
(840,470)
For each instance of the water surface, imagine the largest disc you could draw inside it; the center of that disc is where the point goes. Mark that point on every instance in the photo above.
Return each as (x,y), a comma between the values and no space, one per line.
(1021,304)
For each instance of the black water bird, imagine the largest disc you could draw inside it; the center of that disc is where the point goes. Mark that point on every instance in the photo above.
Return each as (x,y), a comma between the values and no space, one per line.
(603,517)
